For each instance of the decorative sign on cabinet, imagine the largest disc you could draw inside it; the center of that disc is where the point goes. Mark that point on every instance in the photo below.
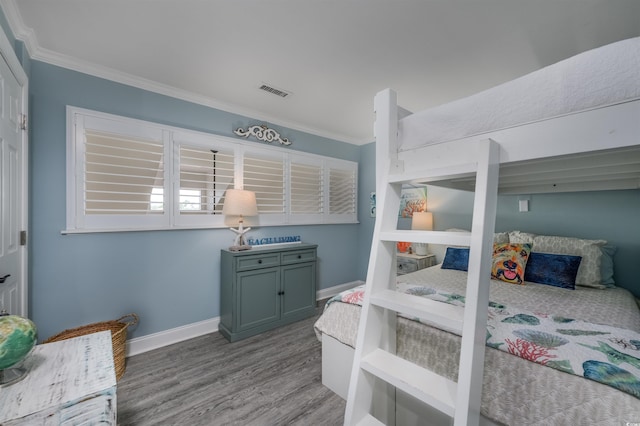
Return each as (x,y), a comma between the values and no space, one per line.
(265,288)
(70,382)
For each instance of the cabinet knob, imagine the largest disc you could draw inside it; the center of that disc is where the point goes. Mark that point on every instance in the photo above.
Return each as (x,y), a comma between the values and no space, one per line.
(280,293)
(299,256)
(259,260)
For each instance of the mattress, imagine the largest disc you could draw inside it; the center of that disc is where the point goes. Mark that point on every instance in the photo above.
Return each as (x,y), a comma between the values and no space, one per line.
(515,391)
(597,78)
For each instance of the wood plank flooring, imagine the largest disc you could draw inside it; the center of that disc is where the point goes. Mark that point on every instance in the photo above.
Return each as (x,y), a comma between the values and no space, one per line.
(267,380)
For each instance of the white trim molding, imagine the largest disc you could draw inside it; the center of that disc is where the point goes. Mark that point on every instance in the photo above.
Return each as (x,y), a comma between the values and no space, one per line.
(158,340)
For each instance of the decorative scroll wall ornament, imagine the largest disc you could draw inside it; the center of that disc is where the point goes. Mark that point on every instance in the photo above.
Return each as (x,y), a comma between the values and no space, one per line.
(262,133)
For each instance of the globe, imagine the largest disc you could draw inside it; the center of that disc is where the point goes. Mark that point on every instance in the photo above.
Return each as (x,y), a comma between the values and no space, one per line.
(17,337)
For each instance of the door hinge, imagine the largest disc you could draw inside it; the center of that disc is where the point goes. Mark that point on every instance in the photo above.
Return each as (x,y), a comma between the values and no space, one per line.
(23,238)
(23,121)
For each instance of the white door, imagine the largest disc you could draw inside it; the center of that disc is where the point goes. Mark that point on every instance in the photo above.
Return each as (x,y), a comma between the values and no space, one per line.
(12,193)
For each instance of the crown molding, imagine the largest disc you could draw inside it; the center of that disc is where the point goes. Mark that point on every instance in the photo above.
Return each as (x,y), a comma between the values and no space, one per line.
(16,24)
(37,52)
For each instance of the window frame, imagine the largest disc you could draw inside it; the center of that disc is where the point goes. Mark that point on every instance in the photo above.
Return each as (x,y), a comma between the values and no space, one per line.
(172,138)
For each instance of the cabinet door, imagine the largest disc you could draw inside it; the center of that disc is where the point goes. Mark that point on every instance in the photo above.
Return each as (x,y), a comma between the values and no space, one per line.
(299,286)
(406,265)
(257,298)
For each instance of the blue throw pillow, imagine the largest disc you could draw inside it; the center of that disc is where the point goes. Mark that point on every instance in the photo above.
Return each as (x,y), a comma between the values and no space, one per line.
(456,258)
(558,270)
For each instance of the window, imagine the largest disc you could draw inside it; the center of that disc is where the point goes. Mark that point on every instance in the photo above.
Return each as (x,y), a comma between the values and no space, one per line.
(342,200)
(307,190)
(190,200)
(204,176)
(120,174)
(306,185)
(264,173)
(126,174)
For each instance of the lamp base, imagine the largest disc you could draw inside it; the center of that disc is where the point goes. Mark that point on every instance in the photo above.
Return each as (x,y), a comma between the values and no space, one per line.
(239,248)
(240,242)
(421,249)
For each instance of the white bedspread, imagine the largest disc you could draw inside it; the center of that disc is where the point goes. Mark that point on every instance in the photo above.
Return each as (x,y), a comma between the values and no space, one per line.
(600,77)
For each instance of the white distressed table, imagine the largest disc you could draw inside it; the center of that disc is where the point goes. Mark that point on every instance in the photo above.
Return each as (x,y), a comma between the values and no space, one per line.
(71,382)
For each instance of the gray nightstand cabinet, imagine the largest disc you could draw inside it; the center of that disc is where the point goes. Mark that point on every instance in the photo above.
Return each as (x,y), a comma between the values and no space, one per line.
(265,288)
(413,262)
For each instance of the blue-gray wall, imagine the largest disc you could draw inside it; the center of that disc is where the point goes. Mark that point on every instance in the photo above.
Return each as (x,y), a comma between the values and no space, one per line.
(169,278)
(610,215)
(366,185)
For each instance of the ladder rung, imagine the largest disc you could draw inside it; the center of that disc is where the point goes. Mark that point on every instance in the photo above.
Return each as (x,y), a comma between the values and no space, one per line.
(436,174)
(369,420)
(425,385)
(432,237)
(444,315)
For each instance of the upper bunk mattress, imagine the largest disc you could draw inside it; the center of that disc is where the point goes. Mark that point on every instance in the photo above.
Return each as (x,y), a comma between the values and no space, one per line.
(597,78)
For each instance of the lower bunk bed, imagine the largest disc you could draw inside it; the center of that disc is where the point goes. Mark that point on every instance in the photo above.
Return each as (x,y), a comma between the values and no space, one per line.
(524,383)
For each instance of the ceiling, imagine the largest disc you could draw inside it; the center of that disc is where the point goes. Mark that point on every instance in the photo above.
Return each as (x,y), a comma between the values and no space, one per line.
(331,55)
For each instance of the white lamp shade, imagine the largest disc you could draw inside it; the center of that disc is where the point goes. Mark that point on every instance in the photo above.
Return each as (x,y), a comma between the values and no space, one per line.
(238,202)
(422,221)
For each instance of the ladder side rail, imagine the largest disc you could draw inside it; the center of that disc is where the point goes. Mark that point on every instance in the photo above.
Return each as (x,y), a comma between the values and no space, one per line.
(381,271)
(385,132)
(377,327)
(470,375)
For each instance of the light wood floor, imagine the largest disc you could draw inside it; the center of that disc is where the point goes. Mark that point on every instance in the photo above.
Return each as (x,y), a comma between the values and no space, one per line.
(270,379)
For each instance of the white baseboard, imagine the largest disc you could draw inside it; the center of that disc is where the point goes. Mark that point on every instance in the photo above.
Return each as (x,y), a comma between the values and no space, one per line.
(332,291)
(149,342)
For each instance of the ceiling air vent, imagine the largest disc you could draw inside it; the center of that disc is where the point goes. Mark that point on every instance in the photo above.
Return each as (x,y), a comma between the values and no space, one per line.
(274,91)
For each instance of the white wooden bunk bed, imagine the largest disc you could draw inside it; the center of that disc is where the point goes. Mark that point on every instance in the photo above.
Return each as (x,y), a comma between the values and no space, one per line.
(569,127)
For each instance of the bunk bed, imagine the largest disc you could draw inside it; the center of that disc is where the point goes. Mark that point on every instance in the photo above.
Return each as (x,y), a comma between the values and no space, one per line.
(572,126)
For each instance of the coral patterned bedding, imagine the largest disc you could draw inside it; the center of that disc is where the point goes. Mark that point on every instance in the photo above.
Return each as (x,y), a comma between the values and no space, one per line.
(586,332)
(606,354)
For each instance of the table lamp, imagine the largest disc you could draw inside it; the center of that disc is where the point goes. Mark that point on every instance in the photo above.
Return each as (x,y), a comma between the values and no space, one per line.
(239,202)
(421,221)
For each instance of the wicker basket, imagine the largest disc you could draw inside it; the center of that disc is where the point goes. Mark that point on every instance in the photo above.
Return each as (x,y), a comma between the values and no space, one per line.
(118,330)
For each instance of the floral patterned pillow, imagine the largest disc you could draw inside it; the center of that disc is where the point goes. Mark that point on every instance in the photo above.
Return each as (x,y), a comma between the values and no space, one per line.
(510,261)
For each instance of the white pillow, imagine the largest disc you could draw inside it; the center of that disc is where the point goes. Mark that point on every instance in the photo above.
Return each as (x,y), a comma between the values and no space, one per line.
(589,274)
(518,237)
(501,238)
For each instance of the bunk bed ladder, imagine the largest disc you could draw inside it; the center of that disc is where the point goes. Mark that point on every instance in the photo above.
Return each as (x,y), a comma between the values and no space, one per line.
(377,371)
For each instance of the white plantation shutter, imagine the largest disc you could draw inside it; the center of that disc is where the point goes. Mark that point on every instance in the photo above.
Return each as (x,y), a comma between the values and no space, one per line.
(343,192)
(120,174)
(204,176)
(116,165)
(306,190)
(264,173)
(125,174)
